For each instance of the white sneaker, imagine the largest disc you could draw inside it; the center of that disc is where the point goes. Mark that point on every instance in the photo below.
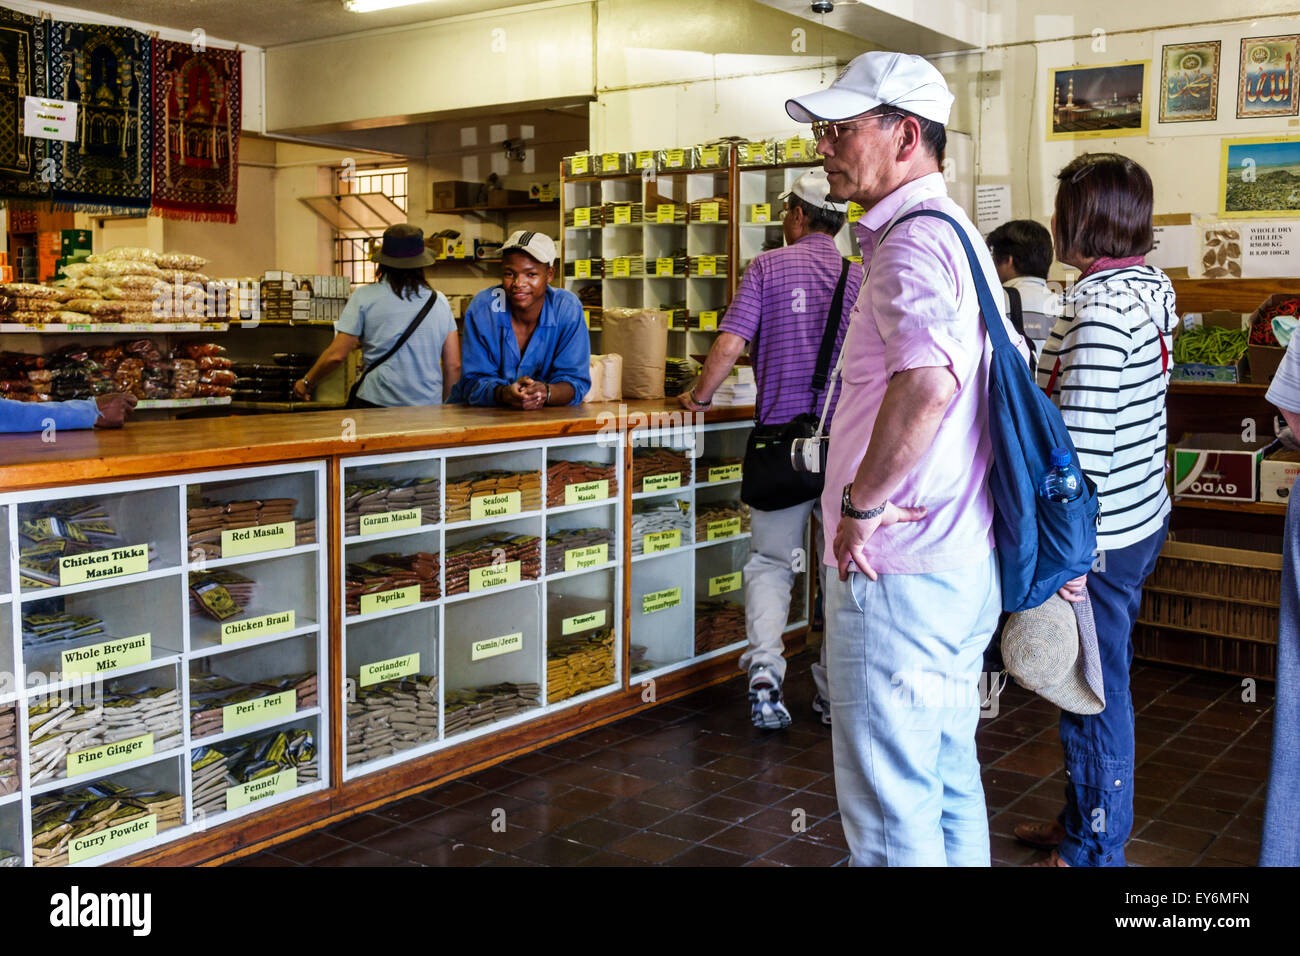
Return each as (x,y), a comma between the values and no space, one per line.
(766,708)
(822,706)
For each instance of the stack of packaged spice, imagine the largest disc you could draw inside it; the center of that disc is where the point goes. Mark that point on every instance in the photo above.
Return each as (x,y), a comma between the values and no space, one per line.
(579,663)
(58,727)
(57,529)
(656,462)
(563,540)
(718,624)
(472,707)
(220,594)
(388,572)
(372,496)
(395,715)
(672,516)
(491,483)
(216,769)
(139,367)
(8,751)
(723,516)
(497,549)
(58,818)
(208,519)
(210,694)
(561,474)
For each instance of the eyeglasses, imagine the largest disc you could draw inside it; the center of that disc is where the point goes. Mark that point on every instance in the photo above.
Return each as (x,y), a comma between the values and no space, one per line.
(822,128)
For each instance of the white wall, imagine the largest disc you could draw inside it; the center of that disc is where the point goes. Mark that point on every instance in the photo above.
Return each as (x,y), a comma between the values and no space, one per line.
(1003,97)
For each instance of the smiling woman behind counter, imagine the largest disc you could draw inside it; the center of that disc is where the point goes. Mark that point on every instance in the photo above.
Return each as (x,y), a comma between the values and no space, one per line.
(526,343)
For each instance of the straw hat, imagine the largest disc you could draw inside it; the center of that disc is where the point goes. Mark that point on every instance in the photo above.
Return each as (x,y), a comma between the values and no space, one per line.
(1052,650)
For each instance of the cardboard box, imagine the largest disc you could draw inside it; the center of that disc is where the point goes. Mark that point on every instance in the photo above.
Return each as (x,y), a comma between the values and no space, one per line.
(506,197)
(1197,372)
(456,193)
(1277,474)
(1217,467)
(1264,359)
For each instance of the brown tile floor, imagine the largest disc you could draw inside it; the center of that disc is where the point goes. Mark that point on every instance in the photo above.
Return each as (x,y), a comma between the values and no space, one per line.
(691,783)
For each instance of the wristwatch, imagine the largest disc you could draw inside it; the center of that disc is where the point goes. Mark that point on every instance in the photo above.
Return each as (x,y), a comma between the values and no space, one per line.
(848,511)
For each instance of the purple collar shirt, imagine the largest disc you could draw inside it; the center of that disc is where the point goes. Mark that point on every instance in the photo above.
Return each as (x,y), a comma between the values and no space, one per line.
(781,309)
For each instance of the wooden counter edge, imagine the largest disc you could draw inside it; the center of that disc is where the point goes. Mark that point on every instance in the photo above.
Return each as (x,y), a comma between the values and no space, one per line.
(145,449)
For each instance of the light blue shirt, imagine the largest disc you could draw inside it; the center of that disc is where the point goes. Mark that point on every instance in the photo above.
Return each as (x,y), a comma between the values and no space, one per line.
(1284,390)
(31,416)
(376,316)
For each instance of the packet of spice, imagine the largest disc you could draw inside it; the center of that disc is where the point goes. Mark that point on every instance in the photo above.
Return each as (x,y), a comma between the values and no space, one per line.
(213,597)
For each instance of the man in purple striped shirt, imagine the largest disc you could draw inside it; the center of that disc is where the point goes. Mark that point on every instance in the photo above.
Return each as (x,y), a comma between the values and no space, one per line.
(780,311)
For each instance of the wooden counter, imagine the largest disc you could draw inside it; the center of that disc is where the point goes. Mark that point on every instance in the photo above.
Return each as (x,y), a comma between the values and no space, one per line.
(153,448)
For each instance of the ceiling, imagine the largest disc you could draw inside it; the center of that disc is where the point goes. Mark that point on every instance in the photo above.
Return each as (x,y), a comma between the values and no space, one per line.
(274,22)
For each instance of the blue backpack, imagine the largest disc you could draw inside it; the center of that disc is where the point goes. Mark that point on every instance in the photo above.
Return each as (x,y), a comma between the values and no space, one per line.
(1041,544)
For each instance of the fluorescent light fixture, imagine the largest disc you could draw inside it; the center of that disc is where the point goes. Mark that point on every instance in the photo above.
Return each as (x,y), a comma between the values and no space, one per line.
(370,6)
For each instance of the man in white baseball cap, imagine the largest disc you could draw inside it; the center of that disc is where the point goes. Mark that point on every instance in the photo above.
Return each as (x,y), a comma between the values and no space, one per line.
(789,300)
(525,343)
(907,504)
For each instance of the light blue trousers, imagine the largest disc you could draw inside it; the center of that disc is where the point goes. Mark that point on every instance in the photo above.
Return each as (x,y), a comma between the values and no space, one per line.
(904,659)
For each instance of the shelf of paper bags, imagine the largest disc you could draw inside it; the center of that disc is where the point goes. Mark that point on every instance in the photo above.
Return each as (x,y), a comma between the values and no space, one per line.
(115,328)
(174,749)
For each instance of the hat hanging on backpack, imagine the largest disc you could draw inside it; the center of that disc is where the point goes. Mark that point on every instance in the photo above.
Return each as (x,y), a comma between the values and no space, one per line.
(1052,650)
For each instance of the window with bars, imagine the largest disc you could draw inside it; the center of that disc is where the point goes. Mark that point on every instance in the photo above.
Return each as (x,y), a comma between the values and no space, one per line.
(352,249)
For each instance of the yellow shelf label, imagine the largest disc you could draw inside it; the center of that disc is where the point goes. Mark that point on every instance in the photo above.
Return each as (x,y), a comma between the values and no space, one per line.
(494,575)
(725,583)
(234,631)
(390,521)
(645,159)
(726,528)
(90,845)
(579,559)
(109,755)
(658,541)
(586,491)
(855,212)
(661,600)
(795,149)
(392,669)
(583,622)
(494,646)
(708,212)
(582,269)
(755,152)
(725,472)
(109,656)
(674,158)
(622,267)
(547,193)
(386,600)
(664,267)
(707,265)
(708,320)
(582,216)
(257,538)
(100,565)
(609,162)
(494,506)
(586,317)
(761,212)
(579,165)
(261,788)
(710,156)
(661,482)
(622,215)
(258,710)
(666,212)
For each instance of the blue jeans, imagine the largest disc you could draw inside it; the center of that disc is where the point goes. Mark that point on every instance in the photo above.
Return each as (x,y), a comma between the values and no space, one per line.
(1280,842)
(1098,814)
(904,655)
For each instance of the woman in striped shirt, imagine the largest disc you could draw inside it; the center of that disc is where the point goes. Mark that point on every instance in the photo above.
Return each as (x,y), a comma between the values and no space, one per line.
(1106,366)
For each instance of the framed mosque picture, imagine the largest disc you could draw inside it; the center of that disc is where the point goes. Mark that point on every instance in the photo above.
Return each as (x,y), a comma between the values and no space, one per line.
(1189,82)
(1097,102)
(1267,83)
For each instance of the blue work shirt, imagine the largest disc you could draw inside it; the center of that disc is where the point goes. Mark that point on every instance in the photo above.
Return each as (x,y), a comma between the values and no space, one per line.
(31,416)
(559,351)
